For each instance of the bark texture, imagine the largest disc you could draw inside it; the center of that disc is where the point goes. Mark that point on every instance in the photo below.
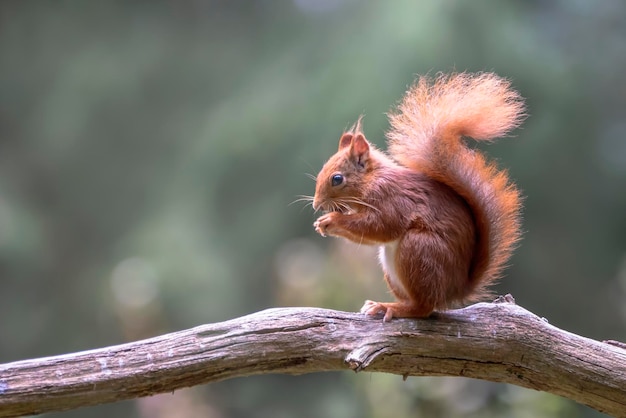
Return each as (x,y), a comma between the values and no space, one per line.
(500,342)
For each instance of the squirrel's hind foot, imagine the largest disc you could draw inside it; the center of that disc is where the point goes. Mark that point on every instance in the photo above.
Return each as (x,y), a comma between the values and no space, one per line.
(371,308)
(394,310)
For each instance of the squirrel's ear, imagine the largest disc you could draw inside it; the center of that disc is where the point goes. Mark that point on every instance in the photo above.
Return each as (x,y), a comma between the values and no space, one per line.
(360,150)
(345,140)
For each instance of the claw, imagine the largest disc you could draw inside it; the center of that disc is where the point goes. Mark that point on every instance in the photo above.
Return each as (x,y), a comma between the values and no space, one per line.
(371,308)
(319,229)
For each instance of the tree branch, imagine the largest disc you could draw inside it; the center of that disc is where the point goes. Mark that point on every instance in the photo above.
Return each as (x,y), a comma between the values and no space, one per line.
(500,342)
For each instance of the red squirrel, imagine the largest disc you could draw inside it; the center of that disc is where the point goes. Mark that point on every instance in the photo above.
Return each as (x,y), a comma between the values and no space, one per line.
(445,218)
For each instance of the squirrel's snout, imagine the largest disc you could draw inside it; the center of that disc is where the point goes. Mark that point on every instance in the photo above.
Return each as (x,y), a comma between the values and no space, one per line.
(320,204)
(316,204)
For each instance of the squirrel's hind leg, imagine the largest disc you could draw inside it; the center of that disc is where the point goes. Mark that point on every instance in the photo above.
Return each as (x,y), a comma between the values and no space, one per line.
(401,309)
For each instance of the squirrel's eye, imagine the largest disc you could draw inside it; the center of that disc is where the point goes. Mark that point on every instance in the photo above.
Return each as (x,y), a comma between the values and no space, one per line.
(336,180)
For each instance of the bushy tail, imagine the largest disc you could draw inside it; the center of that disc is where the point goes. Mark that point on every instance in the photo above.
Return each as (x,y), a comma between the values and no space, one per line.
(426,136)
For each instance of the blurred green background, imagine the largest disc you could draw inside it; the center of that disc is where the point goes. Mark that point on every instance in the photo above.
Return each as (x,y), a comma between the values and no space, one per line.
(149,153)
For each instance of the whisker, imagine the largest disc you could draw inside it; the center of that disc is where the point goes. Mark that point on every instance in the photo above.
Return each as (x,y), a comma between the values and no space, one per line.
(348,200)
(311,176)
(308,204)
(345,206)
(303,198)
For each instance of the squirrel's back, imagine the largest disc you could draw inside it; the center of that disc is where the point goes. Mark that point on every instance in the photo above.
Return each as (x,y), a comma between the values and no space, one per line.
(426,135)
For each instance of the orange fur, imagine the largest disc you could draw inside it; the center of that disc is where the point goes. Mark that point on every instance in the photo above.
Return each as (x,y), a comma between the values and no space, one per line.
(446,220)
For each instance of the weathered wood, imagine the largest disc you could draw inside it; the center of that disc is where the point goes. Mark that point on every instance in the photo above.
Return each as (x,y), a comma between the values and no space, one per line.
(500,342)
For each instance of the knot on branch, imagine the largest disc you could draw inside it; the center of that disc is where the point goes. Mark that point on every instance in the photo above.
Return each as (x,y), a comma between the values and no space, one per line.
(361,357)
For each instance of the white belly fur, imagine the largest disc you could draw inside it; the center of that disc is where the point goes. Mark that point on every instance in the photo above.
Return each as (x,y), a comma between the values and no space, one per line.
(387,257)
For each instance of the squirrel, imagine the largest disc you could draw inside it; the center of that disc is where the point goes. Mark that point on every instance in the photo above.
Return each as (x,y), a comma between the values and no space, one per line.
(446,220)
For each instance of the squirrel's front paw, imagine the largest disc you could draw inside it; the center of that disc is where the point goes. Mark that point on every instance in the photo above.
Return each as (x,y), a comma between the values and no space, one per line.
(324,224)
